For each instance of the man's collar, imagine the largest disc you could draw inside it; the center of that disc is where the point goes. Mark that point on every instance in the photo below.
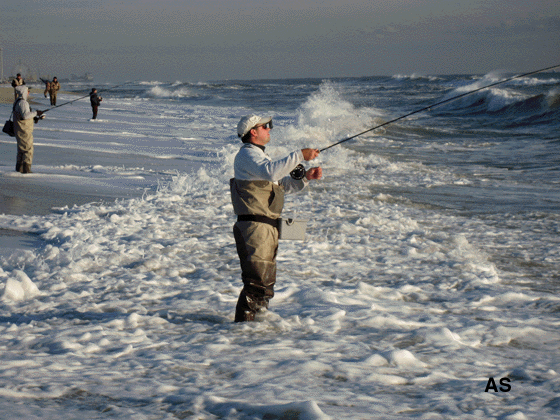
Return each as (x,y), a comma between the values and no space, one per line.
(257,145)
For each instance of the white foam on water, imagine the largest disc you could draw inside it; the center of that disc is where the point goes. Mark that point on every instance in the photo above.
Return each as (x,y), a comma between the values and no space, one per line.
(388,309)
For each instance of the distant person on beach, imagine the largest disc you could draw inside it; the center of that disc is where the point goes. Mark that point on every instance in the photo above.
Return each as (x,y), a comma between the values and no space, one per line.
(95,101)
(47,88)
(257,194)
(53,89)
(18,81)
(23,124)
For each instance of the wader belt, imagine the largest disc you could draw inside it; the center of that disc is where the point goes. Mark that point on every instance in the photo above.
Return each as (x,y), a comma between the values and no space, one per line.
(257,218)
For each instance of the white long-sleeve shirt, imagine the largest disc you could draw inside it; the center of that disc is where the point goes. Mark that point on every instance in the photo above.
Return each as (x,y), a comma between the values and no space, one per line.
(253,164)
(21,109)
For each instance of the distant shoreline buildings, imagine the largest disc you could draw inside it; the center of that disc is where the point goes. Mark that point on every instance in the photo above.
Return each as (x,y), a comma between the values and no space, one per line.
(32,78)
(30,75)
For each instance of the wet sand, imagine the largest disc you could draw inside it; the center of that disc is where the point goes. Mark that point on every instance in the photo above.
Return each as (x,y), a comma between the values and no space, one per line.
(6,95)
(30,195)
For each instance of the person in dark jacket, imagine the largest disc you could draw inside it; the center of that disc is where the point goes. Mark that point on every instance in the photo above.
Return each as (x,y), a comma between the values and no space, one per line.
(95,101)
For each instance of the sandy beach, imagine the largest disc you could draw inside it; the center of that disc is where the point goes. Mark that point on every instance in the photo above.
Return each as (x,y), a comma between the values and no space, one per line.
(7,93)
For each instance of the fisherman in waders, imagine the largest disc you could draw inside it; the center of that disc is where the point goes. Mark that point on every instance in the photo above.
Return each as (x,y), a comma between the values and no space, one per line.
(257,193)
(53,89)
(23,124)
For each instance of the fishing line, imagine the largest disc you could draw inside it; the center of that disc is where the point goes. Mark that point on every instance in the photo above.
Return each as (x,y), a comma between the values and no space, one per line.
(82,97)
(439,103)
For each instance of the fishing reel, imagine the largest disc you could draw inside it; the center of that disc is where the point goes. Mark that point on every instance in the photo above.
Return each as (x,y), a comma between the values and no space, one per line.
(36,119)
(298,172)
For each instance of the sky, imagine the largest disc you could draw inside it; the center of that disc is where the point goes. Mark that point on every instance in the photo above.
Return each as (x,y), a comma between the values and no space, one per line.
(208,40)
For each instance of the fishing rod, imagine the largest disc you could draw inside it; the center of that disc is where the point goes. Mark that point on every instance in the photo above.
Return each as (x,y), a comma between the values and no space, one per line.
(439,103)
(82,97)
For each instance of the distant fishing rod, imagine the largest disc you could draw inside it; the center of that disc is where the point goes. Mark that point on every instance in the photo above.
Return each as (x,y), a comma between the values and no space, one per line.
(82,97)
(440,103)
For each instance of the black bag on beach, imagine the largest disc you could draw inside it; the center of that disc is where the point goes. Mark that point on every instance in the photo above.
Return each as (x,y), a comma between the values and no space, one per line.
(9,127)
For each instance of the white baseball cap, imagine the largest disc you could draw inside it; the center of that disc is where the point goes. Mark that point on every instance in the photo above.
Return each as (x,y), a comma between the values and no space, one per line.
(249,121)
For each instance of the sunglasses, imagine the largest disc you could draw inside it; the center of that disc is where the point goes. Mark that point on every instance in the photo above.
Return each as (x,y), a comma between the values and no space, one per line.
(267,125)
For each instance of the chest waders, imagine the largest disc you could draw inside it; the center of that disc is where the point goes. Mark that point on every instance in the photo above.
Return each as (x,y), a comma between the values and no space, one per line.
(24,137)
(258,206)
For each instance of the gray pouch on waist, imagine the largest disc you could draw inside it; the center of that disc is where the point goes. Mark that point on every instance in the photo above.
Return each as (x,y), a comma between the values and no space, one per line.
(291,229)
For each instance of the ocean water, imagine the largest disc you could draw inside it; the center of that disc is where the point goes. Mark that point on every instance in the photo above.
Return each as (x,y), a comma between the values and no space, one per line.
(429,273)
